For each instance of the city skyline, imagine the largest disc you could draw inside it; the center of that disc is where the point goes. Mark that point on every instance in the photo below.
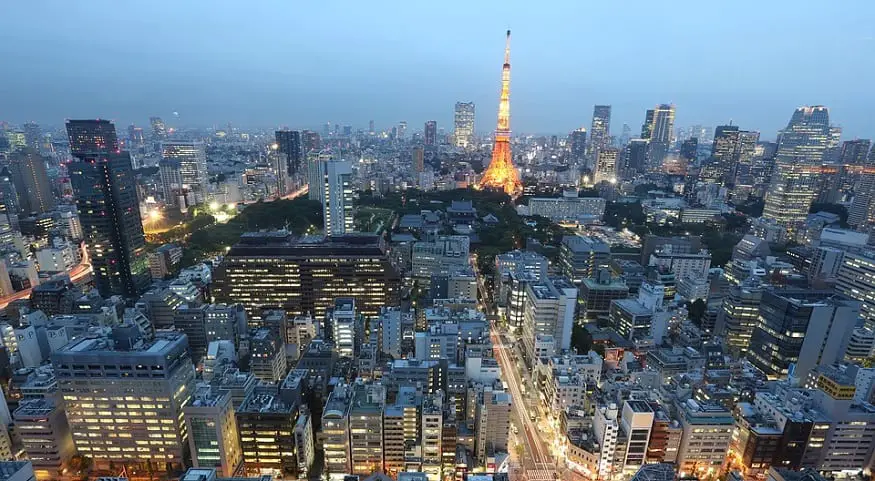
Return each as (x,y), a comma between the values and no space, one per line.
(406,73)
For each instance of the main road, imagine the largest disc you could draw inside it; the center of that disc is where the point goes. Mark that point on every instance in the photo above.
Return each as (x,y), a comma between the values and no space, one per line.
(537,463)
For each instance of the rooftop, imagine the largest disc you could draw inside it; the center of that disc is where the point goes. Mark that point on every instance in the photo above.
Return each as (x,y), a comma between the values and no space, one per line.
(37,407)
(264,402)
(578,243)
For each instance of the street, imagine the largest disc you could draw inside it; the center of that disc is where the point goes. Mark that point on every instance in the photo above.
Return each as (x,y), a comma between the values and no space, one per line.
(536,462)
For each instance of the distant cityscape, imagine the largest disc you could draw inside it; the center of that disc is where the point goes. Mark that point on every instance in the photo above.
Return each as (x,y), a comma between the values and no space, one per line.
(394,303)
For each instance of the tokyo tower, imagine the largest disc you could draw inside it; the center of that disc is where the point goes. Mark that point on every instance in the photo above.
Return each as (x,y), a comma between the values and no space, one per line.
(501,173)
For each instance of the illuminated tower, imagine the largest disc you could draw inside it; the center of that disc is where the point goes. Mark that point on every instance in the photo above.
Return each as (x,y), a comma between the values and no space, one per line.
(501,173)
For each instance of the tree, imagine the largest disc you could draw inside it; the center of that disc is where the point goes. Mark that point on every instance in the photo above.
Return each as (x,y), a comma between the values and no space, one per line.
(581,339)
(837,209)
(696,310)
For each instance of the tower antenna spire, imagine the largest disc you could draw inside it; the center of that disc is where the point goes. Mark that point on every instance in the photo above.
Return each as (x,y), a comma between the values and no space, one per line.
(501,173)
(507,49)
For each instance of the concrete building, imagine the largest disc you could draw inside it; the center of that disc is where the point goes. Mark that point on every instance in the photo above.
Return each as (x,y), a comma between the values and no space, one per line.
(550,307)
(100,373)
(636,422)
(16,471)
(493,423)
(798,330)
(337,197)
(580,257)
(335,433)
(707,431)
(596,295)
(440,255)
(266,423)
(631,319)
(682,264)
(568,208)
(212,431)
(343,321)
(267,357)
(163,260)
(45,436)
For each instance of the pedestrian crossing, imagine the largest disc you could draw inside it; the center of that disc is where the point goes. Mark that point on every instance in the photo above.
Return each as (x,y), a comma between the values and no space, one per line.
(540,475)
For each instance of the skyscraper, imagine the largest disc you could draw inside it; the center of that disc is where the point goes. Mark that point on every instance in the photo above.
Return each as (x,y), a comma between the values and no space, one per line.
(90,136)
(862,209)
(289,143)
(855,152)
(600,133)
(418,159)
(8,192)
(28,169)
(606,166)
(310,141)
(106,196)
(430,133)
(315,173)
(689,149)
(578,145)
(463,135)
(797,167)
(501,173)
(159,130)
(192,165)
(731,155)
(337,197)
(634,158)
(658,129)
(33,135)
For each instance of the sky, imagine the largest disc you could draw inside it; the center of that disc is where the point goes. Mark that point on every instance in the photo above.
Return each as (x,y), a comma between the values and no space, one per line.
(300,64)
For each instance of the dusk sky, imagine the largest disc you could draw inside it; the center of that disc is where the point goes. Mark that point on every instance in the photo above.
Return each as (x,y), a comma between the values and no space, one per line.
(300,64)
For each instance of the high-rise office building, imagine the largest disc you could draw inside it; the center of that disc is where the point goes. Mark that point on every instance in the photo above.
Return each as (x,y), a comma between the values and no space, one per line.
(212,431)
(862,209)
(109,211)
(310,141)
(856,280)
(8,192)
(430,133)
(634,159)
(799,330)
(606,165)
(463,135)
(731,155)
(159,130)
(304,277)
(266,422)
(33,135)
(90,136)
(44,435)
(289,143)
(28,169)
(192,158)
(418,159)
(801,147)
(548,316)
(316,172)
(600,133)
(578,145)
(153,380)
(658,129)
(337,197)
(855,152)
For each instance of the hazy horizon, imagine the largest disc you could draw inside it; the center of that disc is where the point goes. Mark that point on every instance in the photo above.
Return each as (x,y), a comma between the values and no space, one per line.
(270,64)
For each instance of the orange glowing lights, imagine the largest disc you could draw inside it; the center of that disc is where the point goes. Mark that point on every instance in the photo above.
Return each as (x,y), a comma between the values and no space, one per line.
(501,173)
